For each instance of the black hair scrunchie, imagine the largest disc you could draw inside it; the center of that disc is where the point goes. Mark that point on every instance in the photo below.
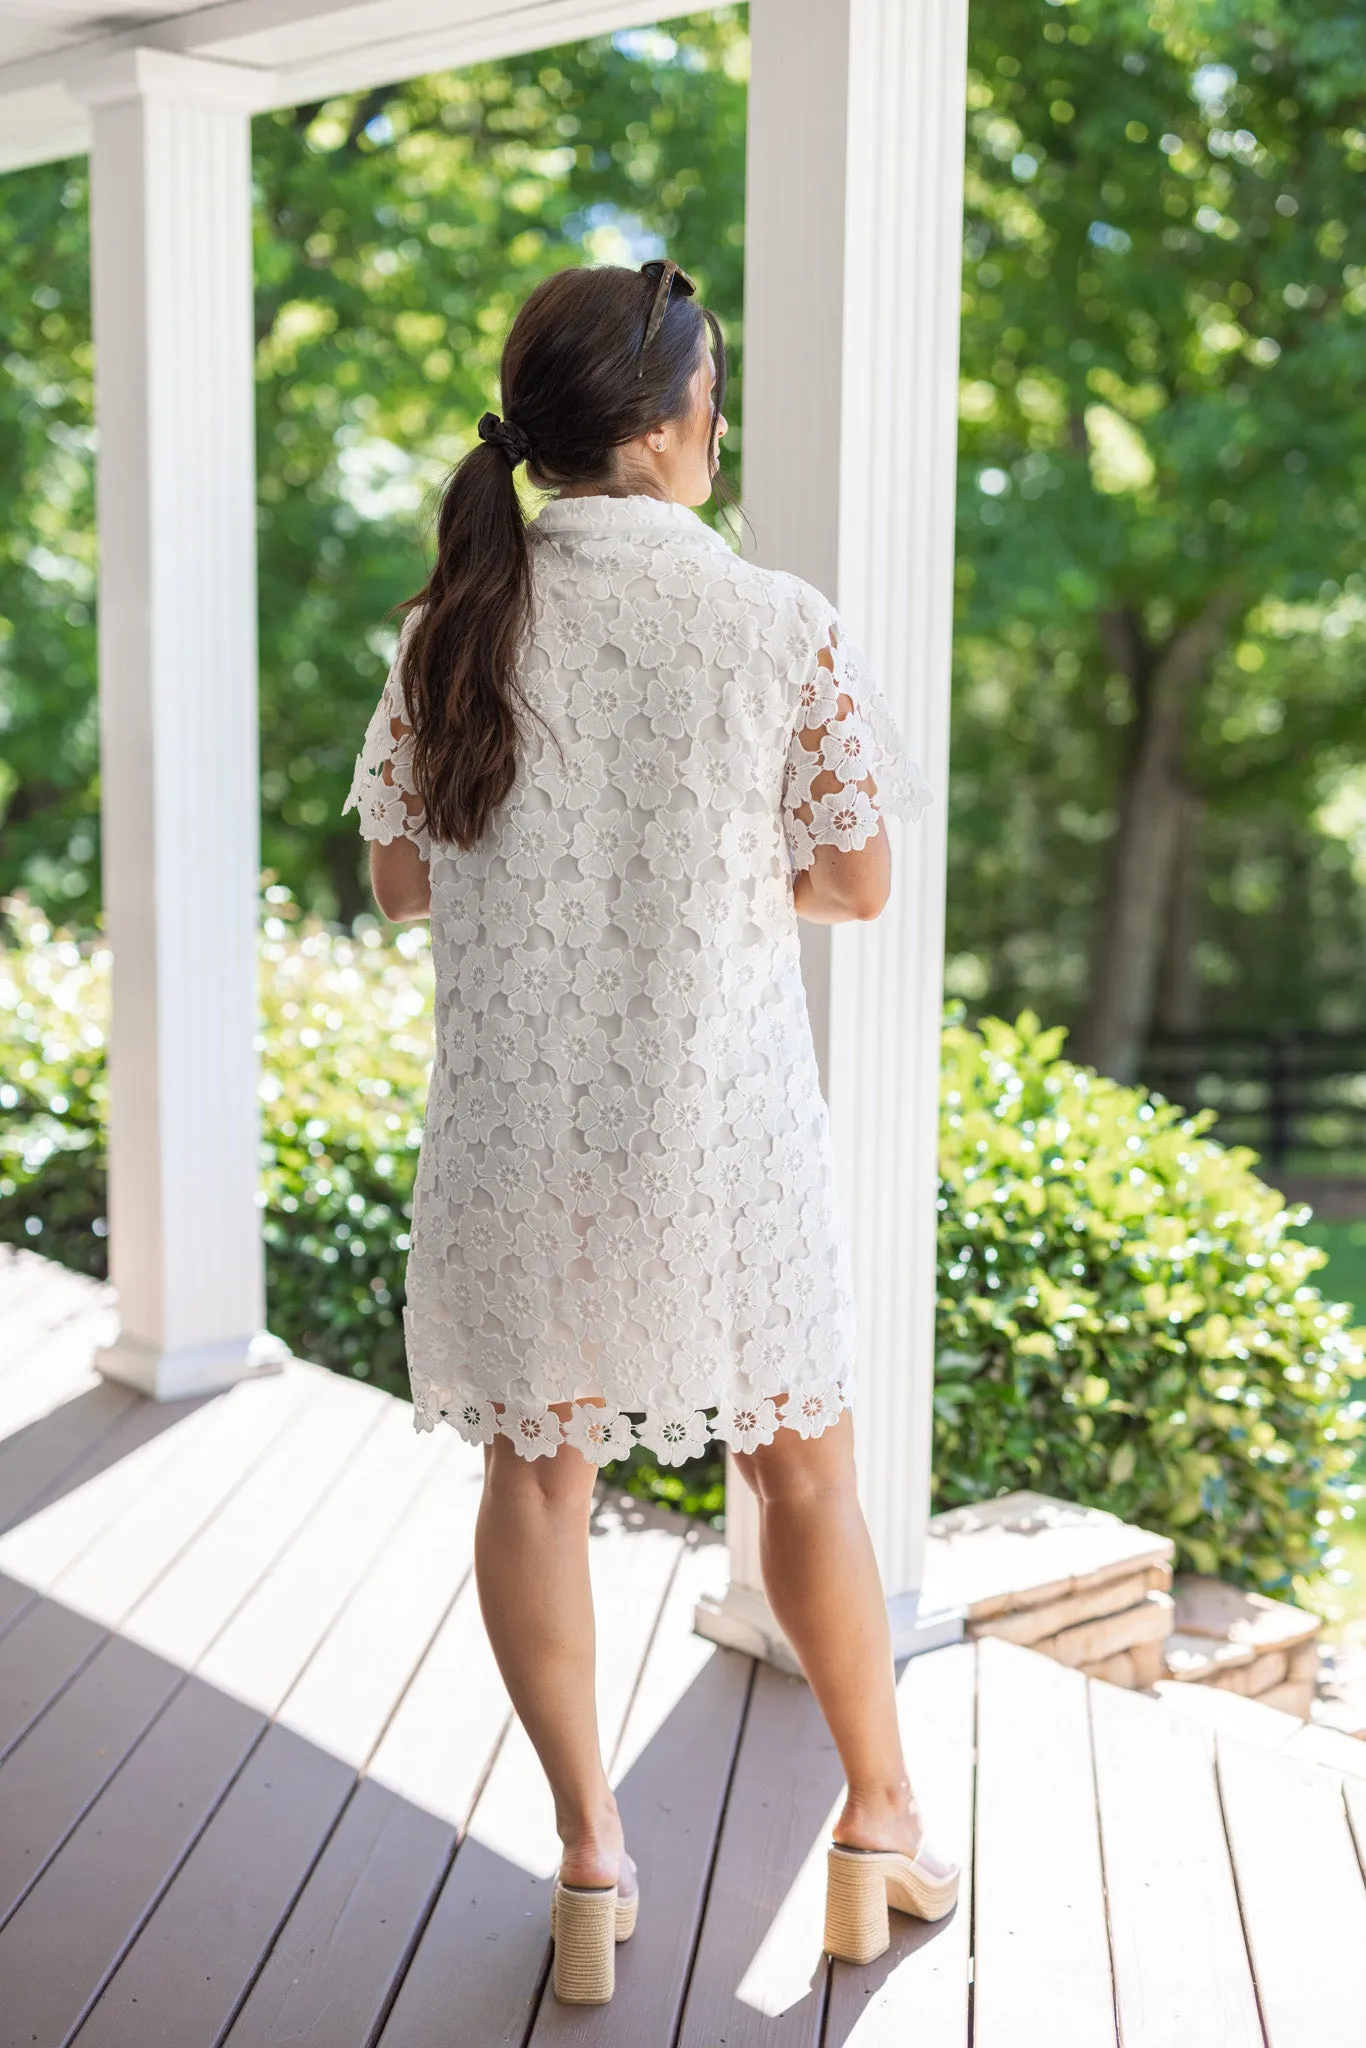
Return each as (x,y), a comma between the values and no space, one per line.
(506,435)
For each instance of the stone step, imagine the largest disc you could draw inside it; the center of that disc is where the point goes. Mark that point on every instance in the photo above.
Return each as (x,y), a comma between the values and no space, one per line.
(1137,1669)
(1032,1625)
(1025,1550)
(1246,1621)
(1089,1642)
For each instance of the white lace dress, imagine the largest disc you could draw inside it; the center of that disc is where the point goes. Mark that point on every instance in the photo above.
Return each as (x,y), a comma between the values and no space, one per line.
(625,1195)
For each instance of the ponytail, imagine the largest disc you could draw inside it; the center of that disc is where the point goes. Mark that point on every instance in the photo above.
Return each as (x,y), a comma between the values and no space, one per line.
(586,368)
(461,651)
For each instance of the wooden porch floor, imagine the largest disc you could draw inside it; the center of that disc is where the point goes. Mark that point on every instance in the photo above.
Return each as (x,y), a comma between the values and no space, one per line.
(259,1785)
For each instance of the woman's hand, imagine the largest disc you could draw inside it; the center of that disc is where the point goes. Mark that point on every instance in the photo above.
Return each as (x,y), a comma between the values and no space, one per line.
(400,880)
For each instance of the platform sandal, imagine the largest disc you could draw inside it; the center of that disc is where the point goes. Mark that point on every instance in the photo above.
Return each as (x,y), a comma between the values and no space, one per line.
(586,1923)
(860,1885)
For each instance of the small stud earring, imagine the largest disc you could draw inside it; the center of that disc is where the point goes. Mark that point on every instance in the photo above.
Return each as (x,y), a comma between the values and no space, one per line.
(657,443)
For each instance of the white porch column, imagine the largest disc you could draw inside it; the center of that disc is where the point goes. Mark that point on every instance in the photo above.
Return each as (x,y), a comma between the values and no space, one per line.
(172,280)
(853,240)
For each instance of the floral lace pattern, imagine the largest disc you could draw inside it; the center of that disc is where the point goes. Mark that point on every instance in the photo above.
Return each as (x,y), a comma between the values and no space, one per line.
(625,1203)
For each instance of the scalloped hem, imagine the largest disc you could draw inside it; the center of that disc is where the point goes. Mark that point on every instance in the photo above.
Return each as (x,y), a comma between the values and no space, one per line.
(604,1434)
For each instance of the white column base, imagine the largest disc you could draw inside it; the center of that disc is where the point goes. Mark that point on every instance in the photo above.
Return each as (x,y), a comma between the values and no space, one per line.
(917,1625)
(742,1620)
(188,1369)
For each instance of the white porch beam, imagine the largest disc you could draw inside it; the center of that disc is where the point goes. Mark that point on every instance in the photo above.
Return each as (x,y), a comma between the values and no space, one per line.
(298,50)
(853,239)
(172,285)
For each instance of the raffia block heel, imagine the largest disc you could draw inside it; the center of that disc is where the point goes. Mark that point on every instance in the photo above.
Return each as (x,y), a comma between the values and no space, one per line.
(860,1885)
(586,1927)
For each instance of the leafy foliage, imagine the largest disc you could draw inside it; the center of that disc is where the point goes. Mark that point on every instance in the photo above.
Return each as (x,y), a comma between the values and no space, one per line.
(48,733)
(339,1136)
(54,1011)
(1125,1318)
(1162,319)
(1163,452)
(396,233)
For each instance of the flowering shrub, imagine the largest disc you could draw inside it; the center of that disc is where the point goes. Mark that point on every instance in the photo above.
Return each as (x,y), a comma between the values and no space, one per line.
(1125,1317)
(54,1006)
(345,1045)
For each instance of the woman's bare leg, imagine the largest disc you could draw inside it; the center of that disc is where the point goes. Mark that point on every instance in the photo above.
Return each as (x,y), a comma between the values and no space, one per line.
(822,1583)
(531,1566)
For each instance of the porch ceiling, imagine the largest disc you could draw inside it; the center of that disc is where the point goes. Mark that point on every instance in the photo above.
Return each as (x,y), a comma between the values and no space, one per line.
(302,49)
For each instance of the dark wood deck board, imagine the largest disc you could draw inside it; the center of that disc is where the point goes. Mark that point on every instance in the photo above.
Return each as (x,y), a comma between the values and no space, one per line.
(103,1698)
(230,1894)
(272,1635)
(75,1925)
(1301,1893)
(70,1753)
(671,1772)
(195,1859)
(39,1299)
(61,1528)
(38,1451)
(352,1684)
(926,1970)
(57,1368)
(760,1976)
(331,1974)
(42,1453)
(37,1660)
(217,1449)
(475,1978)
(15,1600)
(235,1553)
(1181,1964)
(1042,1960)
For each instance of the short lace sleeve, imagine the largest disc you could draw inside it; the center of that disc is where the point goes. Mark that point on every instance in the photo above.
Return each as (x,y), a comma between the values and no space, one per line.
(847,763)
(382,789)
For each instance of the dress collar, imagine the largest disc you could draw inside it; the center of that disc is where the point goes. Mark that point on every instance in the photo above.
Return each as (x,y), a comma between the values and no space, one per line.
(637,516)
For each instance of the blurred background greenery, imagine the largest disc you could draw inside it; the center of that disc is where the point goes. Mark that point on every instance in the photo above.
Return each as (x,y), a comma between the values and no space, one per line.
(1162,606)
(1158,805)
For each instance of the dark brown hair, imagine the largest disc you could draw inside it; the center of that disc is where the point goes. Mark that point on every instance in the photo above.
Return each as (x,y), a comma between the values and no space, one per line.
(576,386)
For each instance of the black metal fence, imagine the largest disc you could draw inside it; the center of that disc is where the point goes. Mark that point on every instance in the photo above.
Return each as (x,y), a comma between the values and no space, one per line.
(1297,1097)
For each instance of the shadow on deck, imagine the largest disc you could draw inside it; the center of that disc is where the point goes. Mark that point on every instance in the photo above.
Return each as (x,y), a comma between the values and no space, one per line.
(259,1784)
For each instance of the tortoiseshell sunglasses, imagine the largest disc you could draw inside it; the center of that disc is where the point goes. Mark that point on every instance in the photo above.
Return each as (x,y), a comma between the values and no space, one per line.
(669,275)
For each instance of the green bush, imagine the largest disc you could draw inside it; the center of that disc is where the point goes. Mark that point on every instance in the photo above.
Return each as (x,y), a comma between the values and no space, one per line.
(54,1004)
(345,1046)
(1124,1317)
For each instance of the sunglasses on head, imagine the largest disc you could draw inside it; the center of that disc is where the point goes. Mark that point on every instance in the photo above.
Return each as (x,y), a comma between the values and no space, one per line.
(668,275)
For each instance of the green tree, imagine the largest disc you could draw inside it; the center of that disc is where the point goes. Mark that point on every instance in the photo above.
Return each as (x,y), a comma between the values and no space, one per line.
(49,824)
(1159,804)
(1164,319)
(397,231)
(398,234)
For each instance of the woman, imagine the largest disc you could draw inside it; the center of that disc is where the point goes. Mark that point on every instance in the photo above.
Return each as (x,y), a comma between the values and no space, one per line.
(614,763)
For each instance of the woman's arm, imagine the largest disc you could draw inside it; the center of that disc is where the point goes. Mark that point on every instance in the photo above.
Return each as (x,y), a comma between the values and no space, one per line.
(400,880)
(839,888)
(384,794)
